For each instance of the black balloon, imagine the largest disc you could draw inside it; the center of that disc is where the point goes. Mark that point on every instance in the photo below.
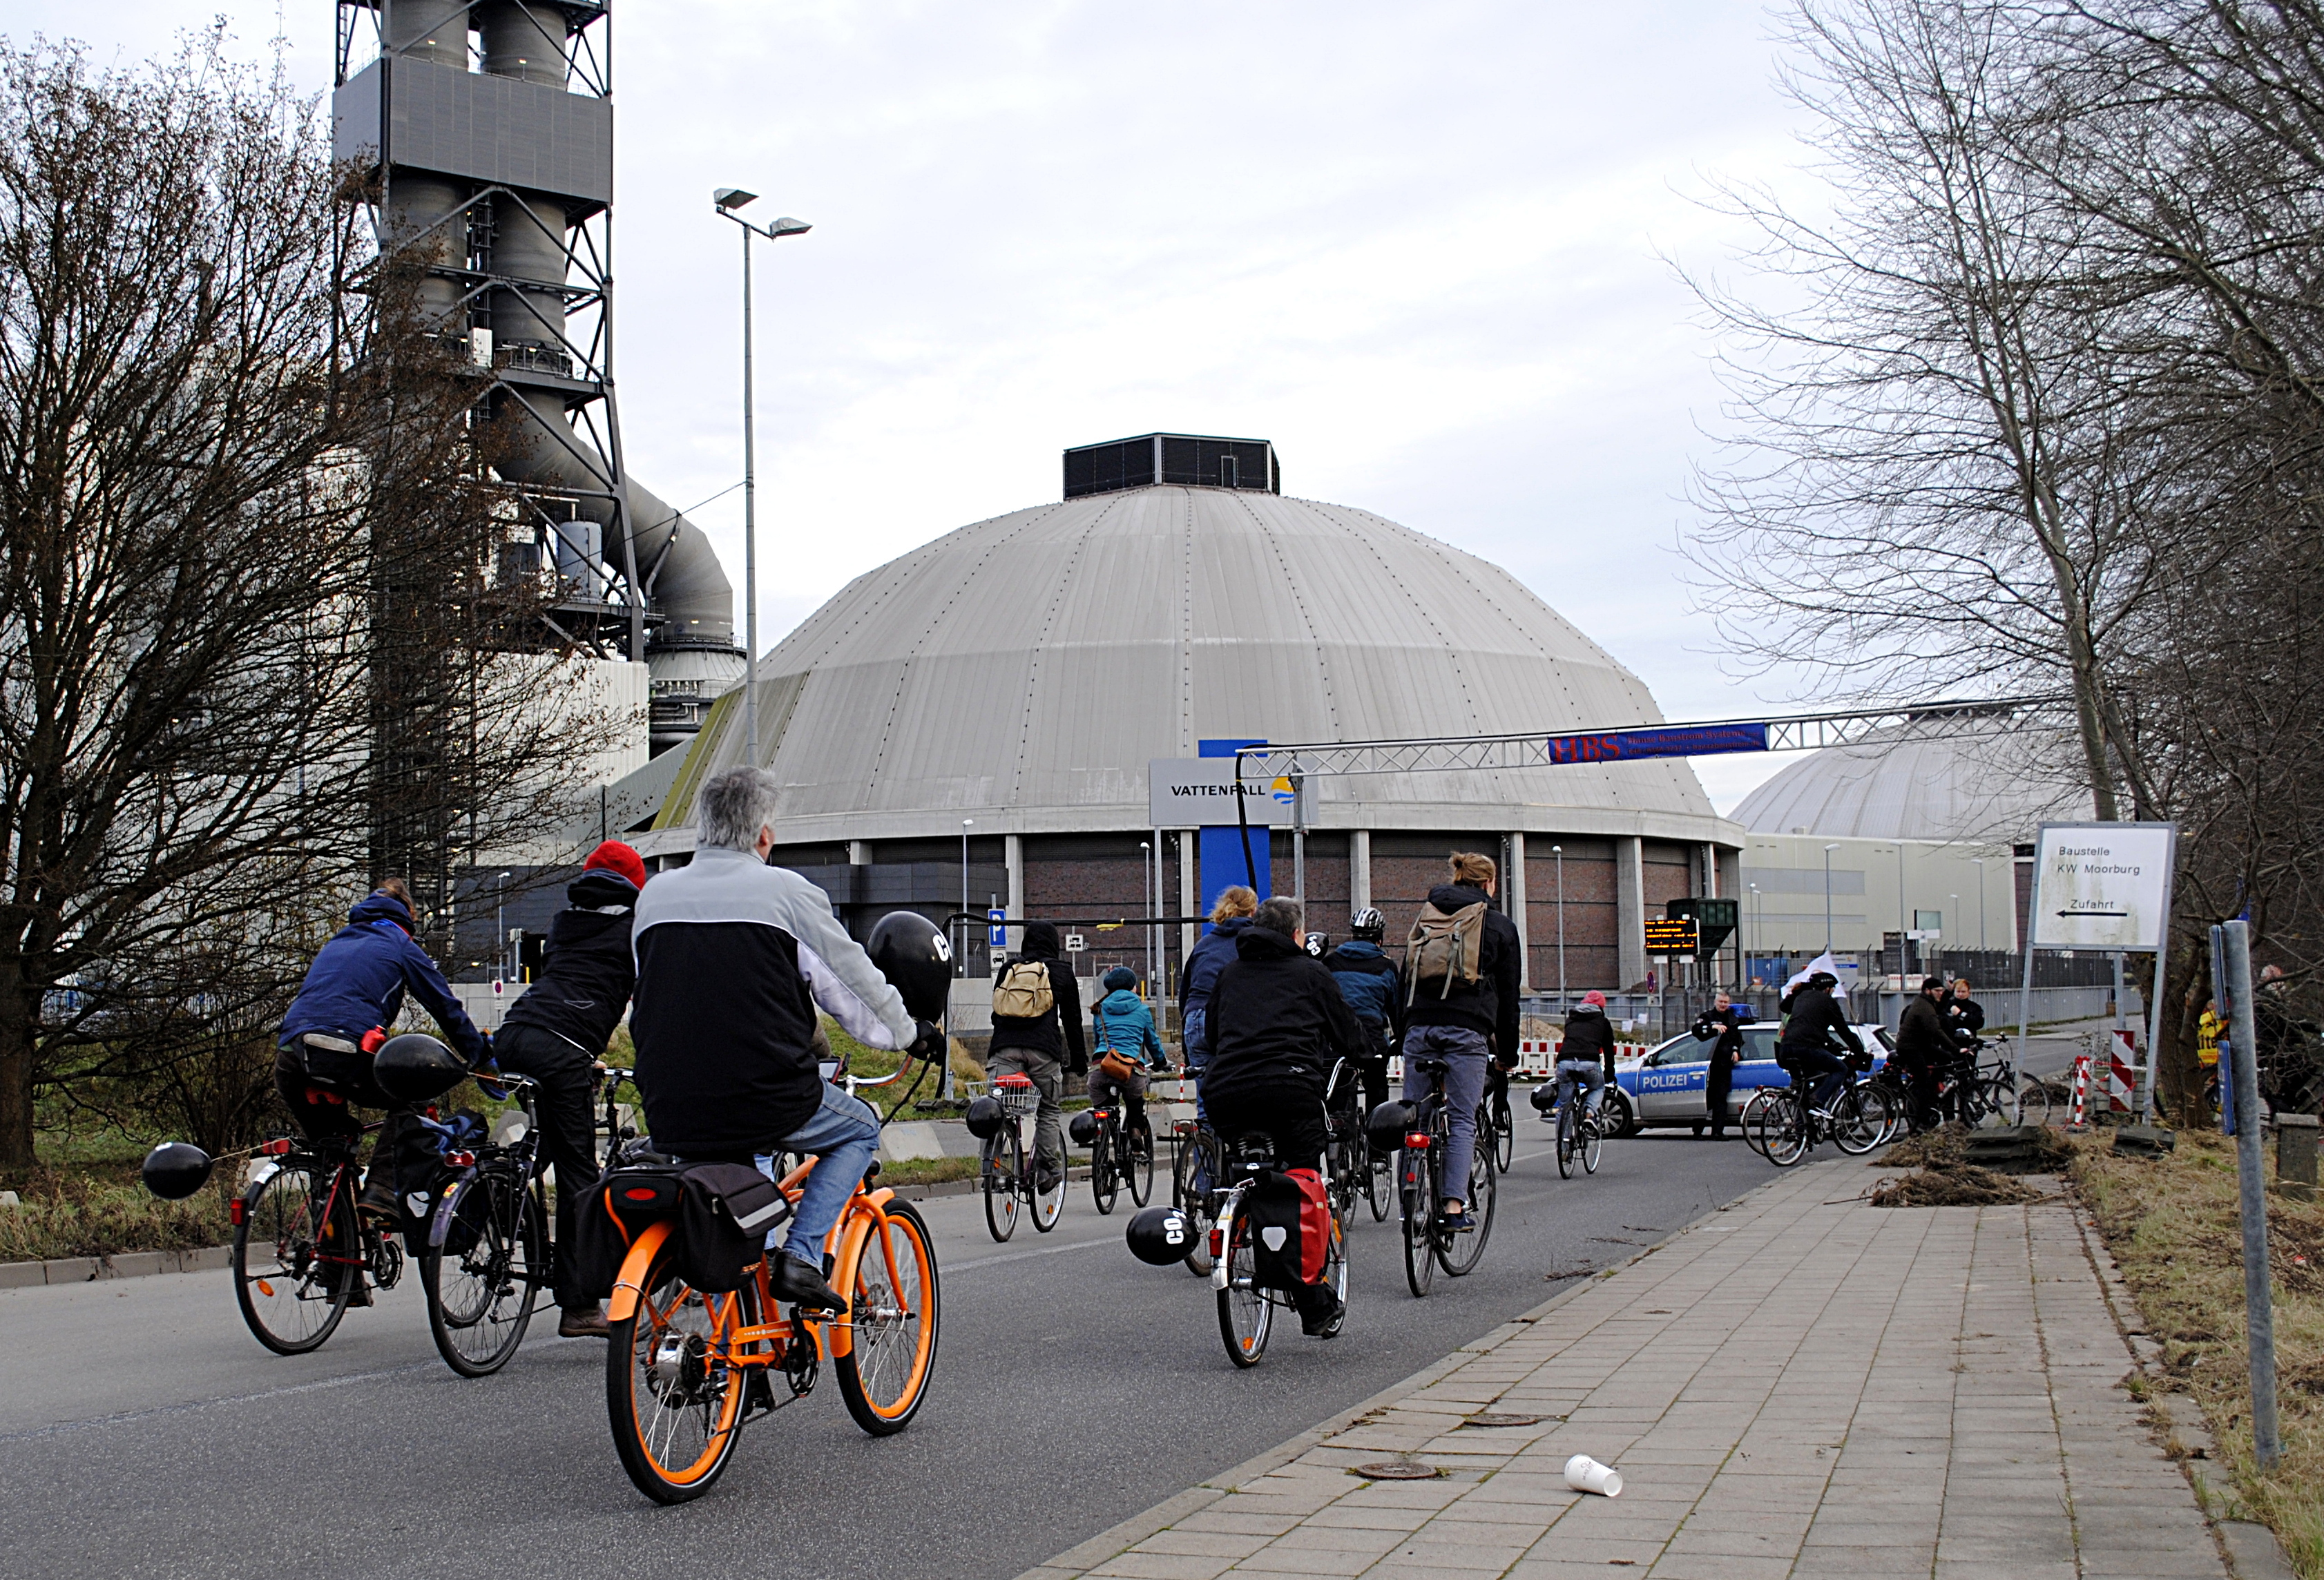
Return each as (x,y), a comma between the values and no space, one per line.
(415,1068)
(175,1170)
(1160,1236)
(913,953)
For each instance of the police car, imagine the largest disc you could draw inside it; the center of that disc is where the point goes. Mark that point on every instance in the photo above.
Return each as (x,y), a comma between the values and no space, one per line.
(1664,1086)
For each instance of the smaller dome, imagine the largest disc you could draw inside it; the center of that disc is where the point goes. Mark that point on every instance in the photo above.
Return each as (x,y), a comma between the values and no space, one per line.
(1950,777)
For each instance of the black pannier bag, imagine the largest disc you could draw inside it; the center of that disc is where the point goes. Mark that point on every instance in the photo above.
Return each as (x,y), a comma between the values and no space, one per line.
(615,1208)
(724,1218)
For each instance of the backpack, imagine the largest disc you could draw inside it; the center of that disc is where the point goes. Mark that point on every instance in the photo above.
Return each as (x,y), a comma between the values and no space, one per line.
(1445,949)
(1023,991)
(1290,1227)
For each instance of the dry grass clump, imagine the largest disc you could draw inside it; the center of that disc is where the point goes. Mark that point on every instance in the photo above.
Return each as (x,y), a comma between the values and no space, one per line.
(97,1211)
(2172,1225)
(1943,1147)
(1951,1185)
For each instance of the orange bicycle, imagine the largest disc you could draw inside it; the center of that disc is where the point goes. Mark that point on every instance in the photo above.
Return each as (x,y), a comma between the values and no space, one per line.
(686,1368)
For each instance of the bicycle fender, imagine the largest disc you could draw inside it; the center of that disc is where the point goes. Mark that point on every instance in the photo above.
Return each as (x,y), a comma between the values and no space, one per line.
(439,1223)
(629,1284)
(839,1337)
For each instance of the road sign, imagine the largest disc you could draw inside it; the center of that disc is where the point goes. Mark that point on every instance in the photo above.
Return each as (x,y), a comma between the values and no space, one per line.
(1192,793)
(1675,935)
(1076,944)
(2103,886)
(1714,922)
(996,935)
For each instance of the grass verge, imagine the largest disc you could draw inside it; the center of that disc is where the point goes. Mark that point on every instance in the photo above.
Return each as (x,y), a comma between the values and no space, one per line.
(95,1210)
(2172,1225)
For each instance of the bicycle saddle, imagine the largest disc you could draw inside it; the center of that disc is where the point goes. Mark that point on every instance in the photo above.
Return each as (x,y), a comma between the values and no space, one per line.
(1433,1066)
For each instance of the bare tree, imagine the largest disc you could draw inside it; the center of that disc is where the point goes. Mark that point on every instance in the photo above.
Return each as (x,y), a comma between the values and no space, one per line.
(220,509)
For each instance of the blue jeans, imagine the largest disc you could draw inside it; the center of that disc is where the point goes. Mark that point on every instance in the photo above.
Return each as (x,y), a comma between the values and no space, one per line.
(841,1137)
(1589,1075)
(1464,1056)
(1193,1020)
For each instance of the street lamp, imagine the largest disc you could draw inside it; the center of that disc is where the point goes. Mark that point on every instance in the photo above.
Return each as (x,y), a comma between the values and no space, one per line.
(1828,850)
(1758,933)
(1145,870)
(1559,851)
(725,200)
(500,922)
(1980,862)
(966,824)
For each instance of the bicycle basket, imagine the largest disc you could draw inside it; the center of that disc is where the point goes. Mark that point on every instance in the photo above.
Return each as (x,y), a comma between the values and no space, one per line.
(1018,1096)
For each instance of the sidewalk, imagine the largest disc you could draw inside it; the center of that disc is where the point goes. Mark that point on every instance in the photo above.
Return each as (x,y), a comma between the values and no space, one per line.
(1794,1387)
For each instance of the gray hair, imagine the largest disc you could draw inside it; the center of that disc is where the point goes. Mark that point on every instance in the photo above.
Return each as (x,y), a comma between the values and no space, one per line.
(1279,916)
(731,809)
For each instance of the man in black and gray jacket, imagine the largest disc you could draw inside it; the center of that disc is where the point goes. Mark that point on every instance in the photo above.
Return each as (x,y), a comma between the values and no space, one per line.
(734,956)
(557,1031)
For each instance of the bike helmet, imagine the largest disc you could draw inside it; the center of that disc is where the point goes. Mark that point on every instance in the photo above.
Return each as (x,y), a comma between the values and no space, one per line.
(1082,1128)
(415,1068)
(175,1170)
(984,1118)
(1160,1236)
(1389,1125)
(1368,924)
(913,953)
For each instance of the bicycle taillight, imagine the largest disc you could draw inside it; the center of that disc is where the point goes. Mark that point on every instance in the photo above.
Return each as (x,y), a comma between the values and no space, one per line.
(1417,1141)
(278,1147)
(236,1211)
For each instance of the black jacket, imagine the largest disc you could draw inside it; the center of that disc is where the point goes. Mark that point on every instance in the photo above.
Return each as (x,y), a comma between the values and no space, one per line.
(1964,1017)
(1275,1022)
(1924,1041)
(1817,1023)
(585,983)
(1058,1034)
(1490,1004)
(1727,1026)
(1588,1033)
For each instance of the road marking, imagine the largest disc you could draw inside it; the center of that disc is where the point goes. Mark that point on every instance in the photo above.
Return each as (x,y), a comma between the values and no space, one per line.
(164,1410)
(1027,1255)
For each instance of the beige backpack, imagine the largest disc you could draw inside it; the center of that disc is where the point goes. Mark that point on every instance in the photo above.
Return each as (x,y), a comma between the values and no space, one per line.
(1023,991)
(1445,949)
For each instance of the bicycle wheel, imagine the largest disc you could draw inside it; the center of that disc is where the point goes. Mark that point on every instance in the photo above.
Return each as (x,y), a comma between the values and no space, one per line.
(893,1313)
(1861,1118)
(2033,1101)
(1459,1252)
(1593,1139)
(673,1391)
(1754,1113)
(1189,1193)
(1137,1160)
(1783,1134)
(1104,1187)
(481,1282)
(1990,1103)
(1565,1123)
(1049,1205)
(1245,1313)
(1505,1139)
(1416,1193)
(1000,1165)
(1379,1182)
(298,1256)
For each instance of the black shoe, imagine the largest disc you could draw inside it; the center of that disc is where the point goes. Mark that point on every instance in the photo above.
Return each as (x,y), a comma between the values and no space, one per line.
(582,1322)
(1046,1179)
(798,1283)
(378,1203)
(1323,1321)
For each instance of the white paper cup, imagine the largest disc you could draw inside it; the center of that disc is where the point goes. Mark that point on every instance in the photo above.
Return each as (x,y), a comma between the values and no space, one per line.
(1585,1474)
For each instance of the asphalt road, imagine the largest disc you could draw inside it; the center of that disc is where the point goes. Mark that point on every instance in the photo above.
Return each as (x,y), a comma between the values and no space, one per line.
(142,1432)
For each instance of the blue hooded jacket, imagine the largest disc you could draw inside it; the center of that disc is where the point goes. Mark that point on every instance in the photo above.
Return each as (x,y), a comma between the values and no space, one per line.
(1122,1023)
(359,979)
(1209,956)
(1371,983)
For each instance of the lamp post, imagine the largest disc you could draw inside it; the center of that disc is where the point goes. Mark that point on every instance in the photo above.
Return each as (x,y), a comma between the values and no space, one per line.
(1954,901)
(1559,851)
(1828,850)
(1980,862)
(1759,935)
(1146,870)
(500,922)
(966,824)
(726,200)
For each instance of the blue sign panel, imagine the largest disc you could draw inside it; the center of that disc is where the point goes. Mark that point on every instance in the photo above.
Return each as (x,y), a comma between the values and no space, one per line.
(997,934)
(1678,741)
(1223,854)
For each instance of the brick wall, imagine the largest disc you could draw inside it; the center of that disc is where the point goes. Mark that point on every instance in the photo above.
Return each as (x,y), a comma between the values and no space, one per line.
(1593,958)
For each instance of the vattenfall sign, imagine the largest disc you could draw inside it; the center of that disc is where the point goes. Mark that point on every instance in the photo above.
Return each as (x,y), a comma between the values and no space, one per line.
(2103,886)
(1198,792)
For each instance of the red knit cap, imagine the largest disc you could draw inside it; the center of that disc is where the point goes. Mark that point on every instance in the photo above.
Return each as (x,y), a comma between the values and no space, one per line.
(619,859)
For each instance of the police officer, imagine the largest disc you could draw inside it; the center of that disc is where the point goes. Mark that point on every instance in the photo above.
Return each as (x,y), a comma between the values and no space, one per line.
(1723,1021)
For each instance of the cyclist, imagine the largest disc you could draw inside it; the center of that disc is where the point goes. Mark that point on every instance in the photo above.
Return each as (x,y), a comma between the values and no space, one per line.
(1461,965)
(1230,915)
(1926,1049)
(1368,980)
(1275,1023)
(1585,1054)
(734,956)
(1037,1032)
(1122,1031)
(352,994)
(1723,1021)
(1815,1023)
(557,1031)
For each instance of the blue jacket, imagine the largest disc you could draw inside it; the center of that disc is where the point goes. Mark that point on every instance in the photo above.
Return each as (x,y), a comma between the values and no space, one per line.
(1370,982)
(1209,956)
(359,979)
(1122,1023)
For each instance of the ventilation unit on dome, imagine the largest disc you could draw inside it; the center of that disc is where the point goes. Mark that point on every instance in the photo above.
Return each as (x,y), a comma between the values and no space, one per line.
(1185,460)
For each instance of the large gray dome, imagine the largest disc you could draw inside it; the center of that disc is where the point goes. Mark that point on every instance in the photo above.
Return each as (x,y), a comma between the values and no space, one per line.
(1948,778)
(1023,670)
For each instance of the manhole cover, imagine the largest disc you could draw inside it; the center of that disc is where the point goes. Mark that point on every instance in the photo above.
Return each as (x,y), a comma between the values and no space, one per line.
(1395,1470)
(1490,1419)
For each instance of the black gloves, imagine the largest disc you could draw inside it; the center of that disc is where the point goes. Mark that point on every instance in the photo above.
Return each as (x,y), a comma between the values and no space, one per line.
(928,1041)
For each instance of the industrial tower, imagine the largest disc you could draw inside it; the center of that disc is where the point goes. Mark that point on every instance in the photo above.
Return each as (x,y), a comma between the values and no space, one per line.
(488,127)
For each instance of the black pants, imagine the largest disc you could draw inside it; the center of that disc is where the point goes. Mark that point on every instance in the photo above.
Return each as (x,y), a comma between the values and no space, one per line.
(402,1148)
(1292,1117)
(1920,1095)
(1716,1084)
(1827,1071)
(568,1131)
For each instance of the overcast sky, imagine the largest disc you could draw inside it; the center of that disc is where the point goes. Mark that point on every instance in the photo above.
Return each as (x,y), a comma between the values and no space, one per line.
(1418,247)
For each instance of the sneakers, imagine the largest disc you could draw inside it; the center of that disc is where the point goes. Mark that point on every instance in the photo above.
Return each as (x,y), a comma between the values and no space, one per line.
(1455,1223)
(801,1283)
(1323,1321)
(1047,1177)
(582,1322)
